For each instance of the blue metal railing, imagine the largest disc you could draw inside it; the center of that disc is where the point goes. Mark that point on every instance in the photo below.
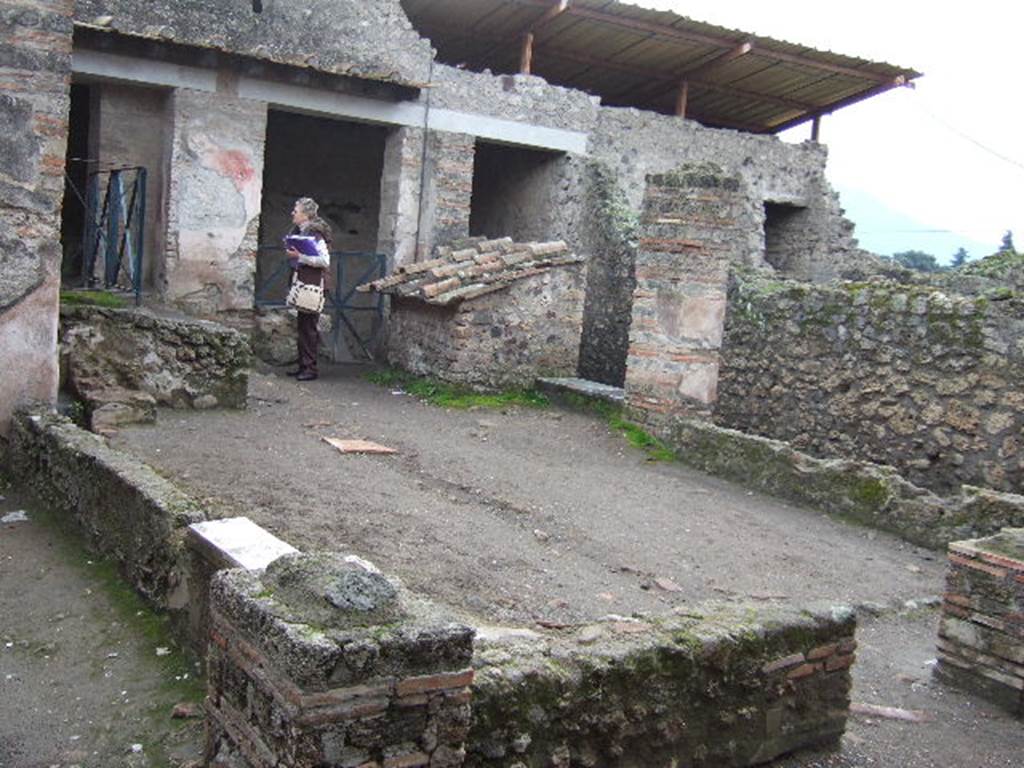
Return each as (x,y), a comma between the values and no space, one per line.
(115,217)
(351,268)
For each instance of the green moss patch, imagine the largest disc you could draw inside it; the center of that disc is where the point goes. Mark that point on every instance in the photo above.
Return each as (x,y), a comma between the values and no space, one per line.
(450,396)
(93,299)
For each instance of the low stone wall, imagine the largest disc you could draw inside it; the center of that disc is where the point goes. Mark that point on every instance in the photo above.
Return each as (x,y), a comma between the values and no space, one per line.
(870,494)
(126,510)
(981,637)
(319,661)
(721,684)
(123,362)
(897,374)
(501,340)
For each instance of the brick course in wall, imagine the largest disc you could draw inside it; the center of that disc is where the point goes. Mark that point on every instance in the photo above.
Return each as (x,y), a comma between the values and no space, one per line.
(981,636)
(905,375)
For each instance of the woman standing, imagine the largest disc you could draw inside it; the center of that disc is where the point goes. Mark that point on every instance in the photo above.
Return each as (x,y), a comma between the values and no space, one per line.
(311,269)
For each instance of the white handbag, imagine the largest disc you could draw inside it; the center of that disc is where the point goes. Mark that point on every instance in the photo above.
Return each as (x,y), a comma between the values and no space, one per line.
(306,297)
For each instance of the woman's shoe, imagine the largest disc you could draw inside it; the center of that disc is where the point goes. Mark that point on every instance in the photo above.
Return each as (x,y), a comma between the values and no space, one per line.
(294,373)
(306,376)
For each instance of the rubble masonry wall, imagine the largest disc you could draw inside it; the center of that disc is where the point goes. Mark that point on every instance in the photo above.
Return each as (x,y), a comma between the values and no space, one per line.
(894,374)
(35,68)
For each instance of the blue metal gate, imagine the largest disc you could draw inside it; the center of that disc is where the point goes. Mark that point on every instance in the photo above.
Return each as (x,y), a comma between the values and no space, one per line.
(115,216)
(351,268)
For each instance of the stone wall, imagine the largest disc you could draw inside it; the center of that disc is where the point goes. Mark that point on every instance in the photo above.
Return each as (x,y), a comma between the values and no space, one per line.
(35,66)
(122,363)
(635,144)
(400,195)
(981,636)
(127,511)
(502,340)
(865,493)
(715,685)
(447,189)
(216,184)
(370,39)
(687,238)
(895,374)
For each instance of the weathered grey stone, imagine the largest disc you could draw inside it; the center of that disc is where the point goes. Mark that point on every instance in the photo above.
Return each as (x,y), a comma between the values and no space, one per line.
(326,590)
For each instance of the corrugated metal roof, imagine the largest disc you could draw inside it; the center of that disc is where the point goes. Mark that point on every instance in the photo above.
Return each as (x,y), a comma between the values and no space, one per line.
(635,56)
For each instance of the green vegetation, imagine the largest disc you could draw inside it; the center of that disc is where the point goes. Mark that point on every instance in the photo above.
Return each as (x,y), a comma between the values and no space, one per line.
(635,435)
(450,396)
(93,299)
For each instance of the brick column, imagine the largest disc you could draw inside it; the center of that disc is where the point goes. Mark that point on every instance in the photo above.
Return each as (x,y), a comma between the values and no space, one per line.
(35,71)
(981,636)
(687,236)
(322,661)
(448,189)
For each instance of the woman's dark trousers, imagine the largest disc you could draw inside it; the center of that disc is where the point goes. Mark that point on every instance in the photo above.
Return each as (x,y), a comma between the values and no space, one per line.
(309,340)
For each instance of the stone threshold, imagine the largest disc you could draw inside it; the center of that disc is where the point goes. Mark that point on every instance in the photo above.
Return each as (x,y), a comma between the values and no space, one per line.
(591,390)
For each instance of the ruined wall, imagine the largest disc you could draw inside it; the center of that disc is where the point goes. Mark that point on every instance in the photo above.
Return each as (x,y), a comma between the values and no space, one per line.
(981,636)
(896,374)
(635,144)
(504,339)
(214,201)
(724,685)
(370,39)
(122,363)
(447,189)
(35,64)
(688,235)
(126,510)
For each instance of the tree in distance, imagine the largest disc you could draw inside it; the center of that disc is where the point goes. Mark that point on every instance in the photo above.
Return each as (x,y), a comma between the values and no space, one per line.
(959,258)
(919,260)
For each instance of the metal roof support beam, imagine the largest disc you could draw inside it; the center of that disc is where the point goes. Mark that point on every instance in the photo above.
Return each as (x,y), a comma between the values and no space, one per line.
(816,128)
(672,33)
(526,54)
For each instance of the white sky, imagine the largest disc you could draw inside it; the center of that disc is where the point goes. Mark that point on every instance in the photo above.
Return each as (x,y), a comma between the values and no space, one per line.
(917,150)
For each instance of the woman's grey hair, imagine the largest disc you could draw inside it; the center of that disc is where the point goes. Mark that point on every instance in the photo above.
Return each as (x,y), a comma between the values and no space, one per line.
(308,206)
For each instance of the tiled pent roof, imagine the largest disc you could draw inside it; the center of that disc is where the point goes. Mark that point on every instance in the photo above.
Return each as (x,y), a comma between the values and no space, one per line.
(472,267)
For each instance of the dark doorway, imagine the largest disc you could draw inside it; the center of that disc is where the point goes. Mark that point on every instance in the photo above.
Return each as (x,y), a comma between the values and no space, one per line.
(76,165)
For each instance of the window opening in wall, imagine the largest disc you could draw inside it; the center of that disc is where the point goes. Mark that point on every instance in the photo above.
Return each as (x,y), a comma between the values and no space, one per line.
(785,235)
(515,191)
(340,165)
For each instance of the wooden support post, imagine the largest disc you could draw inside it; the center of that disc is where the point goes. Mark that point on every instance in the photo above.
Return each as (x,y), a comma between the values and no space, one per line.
(681,98)
(526,56)
(815,128)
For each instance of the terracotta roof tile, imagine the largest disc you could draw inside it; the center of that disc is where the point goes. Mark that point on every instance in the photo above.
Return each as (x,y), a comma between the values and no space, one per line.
(472,267)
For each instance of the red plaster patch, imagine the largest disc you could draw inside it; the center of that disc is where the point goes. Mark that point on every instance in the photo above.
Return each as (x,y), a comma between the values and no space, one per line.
(235,165)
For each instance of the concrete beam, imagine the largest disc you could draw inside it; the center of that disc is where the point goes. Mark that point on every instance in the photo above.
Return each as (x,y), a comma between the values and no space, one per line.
(326,103)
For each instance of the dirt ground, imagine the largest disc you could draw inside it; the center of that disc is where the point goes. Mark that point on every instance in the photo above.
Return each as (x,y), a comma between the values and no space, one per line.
(525,516)
(88,675)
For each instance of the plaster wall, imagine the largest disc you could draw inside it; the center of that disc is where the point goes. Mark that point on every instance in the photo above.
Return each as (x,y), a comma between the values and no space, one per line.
(216,184)
(35,67)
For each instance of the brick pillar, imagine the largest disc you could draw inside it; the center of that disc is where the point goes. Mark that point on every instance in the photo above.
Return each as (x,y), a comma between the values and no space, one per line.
(35,72)
(981,636)
(687,236)
(447,190)
(322,661)
(216,186)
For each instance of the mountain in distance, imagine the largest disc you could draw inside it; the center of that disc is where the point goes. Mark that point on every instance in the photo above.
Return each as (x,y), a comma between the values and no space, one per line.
(884,231)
